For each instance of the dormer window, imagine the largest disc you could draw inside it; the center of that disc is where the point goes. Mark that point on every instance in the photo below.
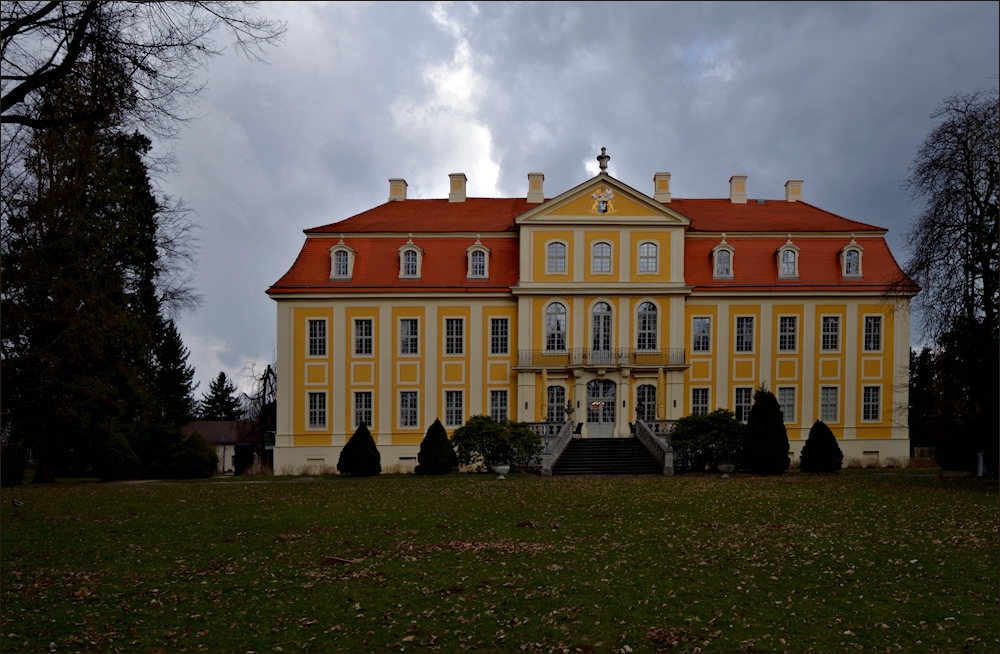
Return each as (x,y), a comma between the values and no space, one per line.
(341,260)
(722,260)
(850,259)
(788,260)
(479,260)
(410,260)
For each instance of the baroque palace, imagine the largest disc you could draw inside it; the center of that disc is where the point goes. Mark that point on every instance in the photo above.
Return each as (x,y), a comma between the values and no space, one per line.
(602,306)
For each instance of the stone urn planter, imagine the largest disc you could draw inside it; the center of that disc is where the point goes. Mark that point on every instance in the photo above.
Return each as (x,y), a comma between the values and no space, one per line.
(725,469)
(501,471)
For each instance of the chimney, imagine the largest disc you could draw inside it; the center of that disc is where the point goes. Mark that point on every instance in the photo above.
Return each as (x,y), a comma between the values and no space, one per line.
(661,187)
(738,189)
(793,190)
(535,192)
(397,189)
(457,193)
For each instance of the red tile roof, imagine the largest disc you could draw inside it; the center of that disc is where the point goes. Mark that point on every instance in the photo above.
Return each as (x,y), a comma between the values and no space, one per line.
(755,264)
(771,216)
(376,266)
(474,215)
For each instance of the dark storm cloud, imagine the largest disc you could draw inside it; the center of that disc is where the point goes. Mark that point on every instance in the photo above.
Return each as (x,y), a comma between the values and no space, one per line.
(836,94)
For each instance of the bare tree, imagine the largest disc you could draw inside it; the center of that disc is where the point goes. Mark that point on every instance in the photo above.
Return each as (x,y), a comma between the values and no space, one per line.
(158,47)
(954,245)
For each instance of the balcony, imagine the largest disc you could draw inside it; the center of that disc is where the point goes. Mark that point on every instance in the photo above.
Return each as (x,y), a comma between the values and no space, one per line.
(588,358)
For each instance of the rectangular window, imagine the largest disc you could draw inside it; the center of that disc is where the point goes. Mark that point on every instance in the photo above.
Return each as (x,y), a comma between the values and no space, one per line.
(602,258)
(363,336)
(363,408)
(556,258)
(408,343)
(340,265)
(701,329)
(744,398)
(498,405)
(478,263)
(499,328)
(647,257)
(454,336)
(744,334)
(556,396)
(828,404)
(786,400)
(408,409)
(873,333)
(317,338)
(699,401)
(317,410)
(787,328)
(831,334)
(453,408)
(871,408)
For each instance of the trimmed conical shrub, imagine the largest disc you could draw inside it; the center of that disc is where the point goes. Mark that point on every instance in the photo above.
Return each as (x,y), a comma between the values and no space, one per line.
(436,456)
(360,457)
(767,440)
(821,453)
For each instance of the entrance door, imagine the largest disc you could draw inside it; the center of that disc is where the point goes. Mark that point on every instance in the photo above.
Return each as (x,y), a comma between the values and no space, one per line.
(601,350)
(601,408)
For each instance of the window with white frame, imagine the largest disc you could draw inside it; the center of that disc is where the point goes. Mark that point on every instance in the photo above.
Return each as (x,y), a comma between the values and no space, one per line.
(787,263)
(647,326)
(788,260)
(555,327)
(555,259)
(499,335)
(873,333)
(852,263)
(479,260)
(410,260)
(453,415)
(454,339)
(871,403)
(556,397)
(829,404)
(648,261)
(362,408)
(317,338)
(409,263)
(699,401)
(787,329)
(317,410)
(786,400)
(498,405)
(408,409)
(409,341)
(340,263)
(478,264)
(601,259)
(645,402)
(743,401)
(363,336)
(701,334)
(722,260)
(830,338)
(744,334)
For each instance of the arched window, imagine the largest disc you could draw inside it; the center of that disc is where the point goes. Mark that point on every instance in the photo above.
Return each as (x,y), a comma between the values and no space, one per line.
(555,260)
(645,402)
(555,327)
(788,263)
(479,260)
(788,260)
(850,259)
(410,260)
(723,267)
(556,396)
(341,260)
(648,262)
(601,314)
(647,326)
(601,260)
(478,264)
(340,263)
(410,263)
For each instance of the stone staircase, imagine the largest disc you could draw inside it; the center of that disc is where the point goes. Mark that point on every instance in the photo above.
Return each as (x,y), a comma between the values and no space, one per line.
(606,456)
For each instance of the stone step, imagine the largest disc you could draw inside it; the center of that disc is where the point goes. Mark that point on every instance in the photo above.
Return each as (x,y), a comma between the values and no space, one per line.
(606,456)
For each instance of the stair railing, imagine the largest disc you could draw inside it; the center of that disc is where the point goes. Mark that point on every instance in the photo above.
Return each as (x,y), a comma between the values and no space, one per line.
(658,446)
(555,446)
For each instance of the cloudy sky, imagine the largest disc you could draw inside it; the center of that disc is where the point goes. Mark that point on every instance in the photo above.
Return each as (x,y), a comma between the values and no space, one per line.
(839,95)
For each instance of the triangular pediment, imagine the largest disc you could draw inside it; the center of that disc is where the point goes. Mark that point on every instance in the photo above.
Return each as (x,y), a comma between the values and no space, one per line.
(581,204)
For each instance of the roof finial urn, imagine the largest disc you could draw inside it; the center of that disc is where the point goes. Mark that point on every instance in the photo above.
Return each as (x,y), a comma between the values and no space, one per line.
(603,159)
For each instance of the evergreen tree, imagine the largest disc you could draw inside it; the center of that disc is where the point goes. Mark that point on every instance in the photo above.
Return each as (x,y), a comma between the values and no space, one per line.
(436,456)
(766,438)
(360,457)
(173,378)
(821,453)
(221,401)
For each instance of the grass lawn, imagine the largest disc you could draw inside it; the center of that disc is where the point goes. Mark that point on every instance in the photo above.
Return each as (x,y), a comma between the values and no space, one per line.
(797,563)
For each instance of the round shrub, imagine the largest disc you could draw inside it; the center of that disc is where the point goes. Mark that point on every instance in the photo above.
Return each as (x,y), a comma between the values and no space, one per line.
(360,457)
(709,440)
(194,458)
(767,440)
(821,453)
(117,460)
(436,456)
(483,442)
